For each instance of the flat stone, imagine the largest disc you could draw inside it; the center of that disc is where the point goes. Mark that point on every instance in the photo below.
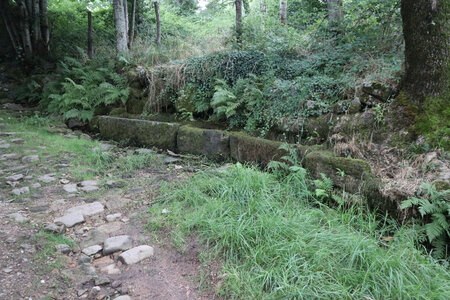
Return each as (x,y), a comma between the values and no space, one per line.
(89,188)
(54,228)
(18,217)
(117,243)
(84,259)
(70,220)
(63,248)
(102,280)
(36,185)
(171,160)
(7,270)
(106,147)
(92,250)
(40,208)
(144,151)
(17,141)
(123,297)
(136,254)
(47,178)
(20,191)
(30,158)
(70,188)
(94,237)
(15,177)
(110,269)
(9,156)
(87,209)
(8,133)
(111,227)
(89,183)
(113,217)
(116,202)
(115,184)
(5,146)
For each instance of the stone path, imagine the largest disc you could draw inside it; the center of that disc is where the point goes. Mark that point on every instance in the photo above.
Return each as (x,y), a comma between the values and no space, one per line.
(67,238)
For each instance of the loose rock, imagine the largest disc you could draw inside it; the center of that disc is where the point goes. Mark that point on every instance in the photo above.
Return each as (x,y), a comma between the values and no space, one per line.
(63,248)
(20,191)
(88,209)
(70,188)
(15,177)
(30,158)
(70,220)
(18,217)
(117,243)
(136,254)
(92,250)
(113,217)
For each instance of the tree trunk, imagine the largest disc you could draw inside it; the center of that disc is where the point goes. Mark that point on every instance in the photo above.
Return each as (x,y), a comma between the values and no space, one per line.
(90,46)
(25,30)
(238,4)
(125,14)
(10,31)
(133,20)
(121,27)
(36,25)
(45,34)
(283,12)
(334,13)
(426,29)
(158,23)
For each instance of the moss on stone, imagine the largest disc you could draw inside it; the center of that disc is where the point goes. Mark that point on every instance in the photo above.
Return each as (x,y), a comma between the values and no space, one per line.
(118,112)
(139,132)
(214,144)
(245,148)
(356,171)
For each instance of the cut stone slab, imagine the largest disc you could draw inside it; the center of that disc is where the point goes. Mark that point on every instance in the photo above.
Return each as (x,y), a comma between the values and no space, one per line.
(15,177)
(92,250)
(88,209)
(136,254)
(18,217)
(30,158)
(47,178)
(113,217)
(117,243)
(20,191)
(70,220)
(146,133)
(214,144)
(70,188)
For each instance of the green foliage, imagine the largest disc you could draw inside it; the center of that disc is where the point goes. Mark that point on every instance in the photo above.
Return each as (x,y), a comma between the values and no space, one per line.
(434,208)
(289,163)
(273,243)
(81,88)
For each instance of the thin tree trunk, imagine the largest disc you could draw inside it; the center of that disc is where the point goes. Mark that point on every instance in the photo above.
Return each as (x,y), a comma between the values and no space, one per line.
(334,13)
(426,29)
(14,43)
(25,30)
(45,33)
(90,46)
(238,4)
(133,19)
(158,23)
(125,14)
(36,25)
(121,27)
(283,12)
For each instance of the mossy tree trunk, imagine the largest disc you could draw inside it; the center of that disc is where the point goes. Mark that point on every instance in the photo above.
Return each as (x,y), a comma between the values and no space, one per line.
(238,5)
(426,29)
(121,27)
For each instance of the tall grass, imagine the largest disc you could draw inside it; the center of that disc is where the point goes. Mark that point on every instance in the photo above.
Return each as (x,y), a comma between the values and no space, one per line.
(275,243)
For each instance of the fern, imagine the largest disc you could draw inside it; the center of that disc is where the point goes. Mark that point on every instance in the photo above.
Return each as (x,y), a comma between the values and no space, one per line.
(434,208)
(81,88)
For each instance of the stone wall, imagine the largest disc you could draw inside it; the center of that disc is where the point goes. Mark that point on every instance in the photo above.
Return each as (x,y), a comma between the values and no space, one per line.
(222,146)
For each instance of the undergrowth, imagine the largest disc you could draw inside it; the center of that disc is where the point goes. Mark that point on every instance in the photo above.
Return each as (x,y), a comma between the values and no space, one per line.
(275,242)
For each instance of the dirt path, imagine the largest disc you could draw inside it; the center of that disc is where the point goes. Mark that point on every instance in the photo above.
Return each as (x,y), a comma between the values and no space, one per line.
(65,237)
